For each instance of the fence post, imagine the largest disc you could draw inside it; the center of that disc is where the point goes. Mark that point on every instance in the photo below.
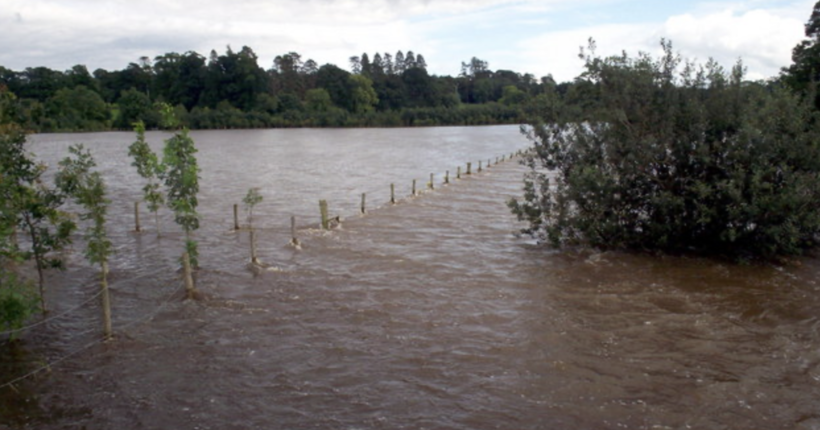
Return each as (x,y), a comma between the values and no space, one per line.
(364,199)
(392,194)
(293,240)
(137,217)
(323,210)
(414,188)
(447,177)
(479,166)
(430,184)
(254,260)
(189,279)
(469,166)
(236,217)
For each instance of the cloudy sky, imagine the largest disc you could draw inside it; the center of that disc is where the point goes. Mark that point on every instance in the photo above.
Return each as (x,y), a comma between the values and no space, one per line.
(535,36)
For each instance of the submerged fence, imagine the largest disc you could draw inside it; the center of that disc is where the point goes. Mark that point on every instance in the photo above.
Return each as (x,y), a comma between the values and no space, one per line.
(326,223)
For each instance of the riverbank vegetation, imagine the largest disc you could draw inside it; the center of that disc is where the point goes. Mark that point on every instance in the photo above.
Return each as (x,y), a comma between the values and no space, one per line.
(232,90)
(673,156)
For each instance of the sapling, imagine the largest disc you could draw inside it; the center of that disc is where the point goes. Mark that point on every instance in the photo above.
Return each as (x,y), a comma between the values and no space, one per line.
(251,199)
(26,202)
(88,190)
(181,176)
(149,167)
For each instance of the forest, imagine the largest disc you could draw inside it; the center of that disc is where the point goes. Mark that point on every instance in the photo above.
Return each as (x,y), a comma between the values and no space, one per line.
(232,90)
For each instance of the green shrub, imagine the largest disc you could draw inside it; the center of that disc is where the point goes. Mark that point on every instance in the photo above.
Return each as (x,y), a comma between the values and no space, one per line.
(18,301)
(674,158)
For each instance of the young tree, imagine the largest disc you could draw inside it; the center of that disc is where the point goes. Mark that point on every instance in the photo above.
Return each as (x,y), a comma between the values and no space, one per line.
(18,300)
(27,203)
(149,167)
(251,200)
(675,160)
(76,179)
(181,176)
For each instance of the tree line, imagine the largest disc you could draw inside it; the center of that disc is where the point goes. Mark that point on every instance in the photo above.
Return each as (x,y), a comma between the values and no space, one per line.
(231,90)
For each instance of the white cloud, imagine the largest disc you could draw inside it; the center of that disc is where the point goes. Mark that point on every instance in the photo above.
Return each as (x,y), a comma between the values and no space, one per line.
(763,39)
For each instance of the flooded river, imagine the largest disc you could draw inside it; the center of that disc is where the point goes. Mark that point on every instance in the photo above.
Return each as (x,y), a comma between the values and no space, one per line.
(427,314)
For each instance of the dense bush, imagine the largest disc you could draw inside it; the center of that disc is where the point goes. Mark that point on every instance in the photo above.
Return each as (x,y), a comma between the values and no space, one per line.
(674,157)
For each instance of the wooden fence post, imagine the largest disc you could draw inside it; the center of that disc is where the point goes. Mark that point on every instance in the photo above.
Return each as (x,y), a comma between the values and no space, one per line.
(458,172)
(364,200)
(293,240)
(392,194)
(479,166)
(189,279)
(137,217)
(414,188)
(254,260)
(323,210)
(469,166)
(447,177)
(430,184)
(236,217)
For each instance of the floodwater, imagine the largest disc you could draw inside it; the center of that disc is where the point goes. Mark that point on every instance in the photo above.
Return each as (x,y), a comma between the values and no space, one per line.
(427,314)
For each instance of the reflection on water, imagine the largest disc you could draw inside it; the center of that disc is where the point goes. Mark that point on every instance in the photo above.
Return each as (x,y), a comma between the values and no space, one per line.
(426,314)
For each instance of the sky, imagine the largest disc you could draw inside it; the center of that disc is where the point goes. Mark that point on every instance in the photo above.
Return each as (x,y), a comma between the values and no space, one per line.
(541,37)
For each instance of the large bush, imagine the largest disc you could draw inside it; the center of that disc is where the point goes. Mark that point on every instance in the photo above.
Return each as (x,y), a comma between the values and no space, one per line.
(675,157)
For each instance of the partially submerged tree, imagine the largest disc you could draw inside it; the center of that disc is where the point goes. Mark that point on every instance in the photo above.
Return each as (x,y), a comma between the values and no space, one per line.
(29,204)
(251,199)
(675,159)
(76,179)
(149,167)
(181,176)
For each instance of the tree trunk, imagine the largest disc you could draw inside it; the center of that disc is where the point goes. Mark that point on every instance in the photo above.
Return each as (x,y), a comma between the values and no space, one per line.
(106,302)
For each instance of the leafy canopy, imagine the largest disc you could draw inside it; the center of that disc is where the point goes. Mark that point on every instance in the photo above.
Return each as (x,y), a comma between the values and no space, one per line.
(675,157)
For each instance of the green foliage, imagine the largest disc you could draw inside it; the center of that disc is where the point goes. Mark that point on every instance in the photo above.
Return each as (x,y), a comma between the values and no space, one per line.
(251,199)
(318,100)
(181,176)
(362,96)
(148,166)
(78,108)
(134,106)
(804,72)
(26,202)
(512,96)
(675,159)
(87,188)
(18,301)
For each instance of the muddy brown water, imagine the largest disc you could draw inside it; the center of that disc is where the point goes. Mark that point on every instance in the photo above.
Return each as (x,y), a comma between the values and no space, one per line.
(428,314)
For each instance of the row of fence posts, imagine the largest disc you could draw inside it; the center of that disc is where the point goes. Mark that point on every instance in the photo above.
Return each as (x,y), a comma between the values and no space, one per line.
(326,221)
